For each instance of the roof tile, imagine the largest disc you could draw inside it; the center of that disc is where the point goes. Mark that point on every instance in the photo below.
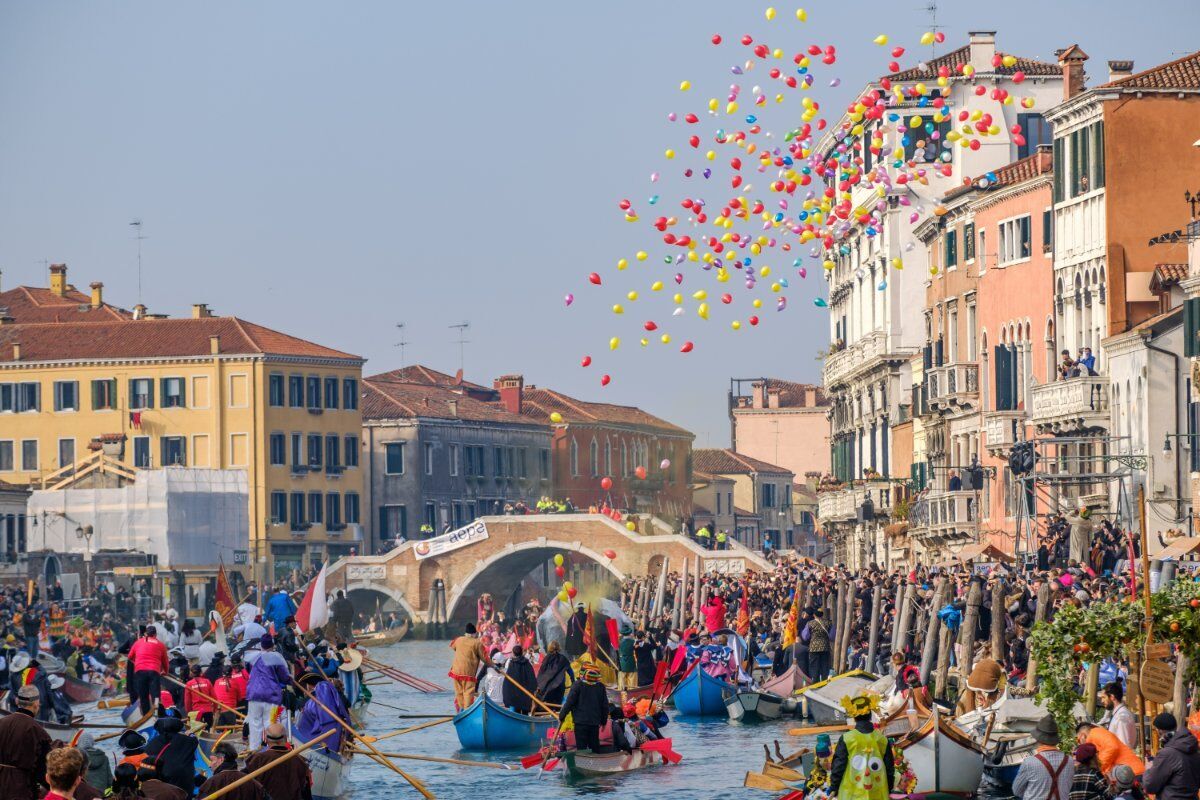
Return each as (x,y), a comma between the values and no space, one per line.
(955,59)
(729,462)
(389,399)
(1182,73)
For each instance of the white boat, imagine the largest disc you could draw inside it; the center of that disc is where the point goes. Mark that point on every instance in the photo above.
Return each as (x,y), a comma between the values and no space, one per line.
(942,757)
(786,683)
(586,764)
(822,702)
(328,773)
(750,706)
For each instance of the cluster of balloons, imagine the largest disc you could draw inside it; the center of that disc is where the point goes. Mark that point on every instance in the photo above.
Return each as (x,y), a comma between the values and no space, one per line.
(568,591)
(898,133)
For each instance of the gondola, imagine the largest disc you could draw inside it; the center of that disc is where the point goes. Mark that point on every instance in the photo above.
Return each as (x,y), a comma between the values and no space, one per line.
(943,758)
(753,706)
(701,695)
(789,681)
(631,695)
(328,773)
(822,702)
(485,725)
(384,637)
(586,764)
(78,691)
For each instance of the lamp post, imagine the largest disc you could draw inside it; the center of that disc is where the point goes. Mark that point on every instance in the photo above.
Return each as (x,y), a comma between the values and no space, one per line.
(86,532)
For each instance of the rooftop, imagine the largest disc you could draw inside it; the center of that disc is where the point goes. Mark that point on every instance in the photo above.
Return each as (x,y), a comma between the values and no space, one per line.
(956,59)
(418,373)
(391,399)
(539,404)
(1167,275)
(729,462)
(1182,73)
(38,304)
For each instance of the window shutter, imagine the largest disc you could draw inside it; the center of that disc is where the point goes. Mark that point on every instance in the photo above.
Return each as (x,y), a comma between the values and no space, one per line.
(1099,138)
(1059,169)
(1001,379)
(1191,327)
(96,394)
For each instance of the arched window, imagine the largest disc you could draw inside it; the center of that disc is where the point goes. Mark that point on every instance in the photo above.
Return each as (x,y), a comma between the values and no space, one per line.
(608,470)
(594,458)
(574,457)
(624,460)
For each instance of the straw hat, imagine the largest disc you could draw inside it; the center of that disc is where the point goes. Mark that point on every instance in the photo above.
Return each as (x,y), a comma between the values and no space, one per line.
(351,658)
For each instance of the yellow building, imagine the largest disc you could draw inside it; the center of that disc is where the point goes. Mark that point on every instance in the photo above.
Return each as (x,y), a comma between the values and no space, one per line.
(216,392)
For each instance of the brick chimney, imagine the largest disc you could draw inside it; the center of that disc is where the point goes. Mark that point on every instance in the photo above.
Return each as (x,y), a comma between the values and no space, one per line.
(58,279)
(982,49)
(97,294)
(511,388)
(1071,60)
(812,480)
(139,311)
(214,345)
(810,397)
(201,311)
(1119,69)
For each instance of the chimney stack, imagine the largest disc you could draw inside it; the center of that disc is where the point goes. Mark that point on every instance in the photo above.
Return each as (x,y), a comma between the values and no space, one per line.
(201,311)
(810,397)
(1119,69)
(214,345)
(982,49)
(16,351)
(97,294)
(1071,60)
(453,404)
(511,388)
(58,279)
(812,480)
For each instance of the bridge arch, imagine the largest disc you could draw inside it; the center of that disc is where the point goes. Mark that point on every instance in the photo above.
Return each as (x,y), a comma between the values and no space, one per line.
(499,573)
(364,594)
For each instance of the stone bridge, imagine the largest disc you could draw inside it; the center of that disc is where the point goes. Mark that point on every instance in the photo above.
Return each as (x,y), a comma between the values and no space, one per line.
(514,547)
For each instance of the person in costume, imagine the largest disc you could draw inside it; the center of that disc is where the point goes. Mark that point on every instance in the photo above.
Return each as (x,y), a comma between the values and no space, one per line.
(862,766)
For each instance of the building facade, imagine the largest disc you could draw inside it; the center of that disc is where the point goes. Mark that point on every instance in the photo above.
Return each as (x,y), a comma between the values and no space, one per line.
(762,497)
(780,422)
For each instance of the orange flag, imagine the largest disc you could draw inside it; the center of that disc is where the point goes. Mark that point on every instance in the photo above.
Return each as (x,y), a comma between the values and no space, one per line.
(589,633)
(743,615)
(224,603)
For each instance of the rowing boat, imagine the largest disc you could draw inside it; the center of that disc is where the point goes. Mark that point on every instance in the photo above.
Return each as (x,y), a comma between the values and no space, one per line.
(753,706)
(586,764)
(942,757)
(822,702)
(328,773)
(632,695)
(701,695)
(384,637)
(59,733)
(789,681)
(486,725)
(78,691)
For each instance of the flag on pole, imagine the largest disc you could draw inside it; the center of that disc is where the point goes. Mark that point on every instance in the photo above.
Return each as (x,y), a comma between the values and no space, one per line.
(224,603)
(791,628)
(743,615)
(314,608)
(589,633)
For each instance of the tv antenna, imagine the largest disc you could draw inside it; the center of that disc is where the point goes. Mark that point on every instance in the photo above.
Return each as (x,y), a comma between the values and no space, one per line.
(137,227)
(931,8)
(462,341)
(401,343)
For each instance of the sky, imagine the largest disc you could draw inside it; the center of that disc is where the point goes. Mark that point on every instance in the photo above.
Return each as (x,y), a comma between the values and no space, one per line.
(334,170)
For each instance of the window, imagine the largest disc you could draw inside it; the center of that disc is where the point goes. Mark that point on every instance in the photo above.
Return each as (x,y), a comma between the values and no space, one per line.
(333,511)
(104,394)
(331,392)
(768,495)
(172,393)
(29,455)
(393,454)
(545,462)
(353,508)
(297,453)
(972,348)
(275,391)
(574,458)
(7,397)
(312,393)
(431,516)
(474,460)
(718,503)
(141,452)
(1014,240)
(393,521)
(950,251)
(141,393)
(968,242)
(299,522)
(333,458)
(278,450)
(350,451)
(278,508)
(174,451)
(314,451)
(428,448)
(594,458)
(6,456)
(1047,231)
(66,395)
(316,508)
(28,397)
(498,461)
(453,453)
(1036,131)
(624,460)
(522,468)
(350,394)
(295,391)
(607,457)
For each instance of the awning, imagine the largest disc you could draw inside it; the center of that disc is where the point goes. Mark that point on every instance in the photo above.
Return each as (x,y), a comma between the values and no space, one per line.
(982,551)
(1180,548)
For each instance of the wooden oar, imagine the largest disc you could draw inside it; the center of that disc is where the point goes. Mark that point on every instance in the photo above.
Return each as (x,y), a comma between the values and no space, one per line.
(198,693)
(224,790)
(782,773)
(420,684)
(112,702)
(437,760)
(757,780)
(412,728)
(813,730)
(529,694)
(132,727)
(375,754)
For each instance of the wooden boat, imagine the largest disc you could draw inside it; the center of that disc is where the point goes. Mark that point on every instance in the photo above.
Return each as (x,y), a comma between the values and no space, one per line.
(822,702)
(753,706)
(78,691)
(701,695)
(328,773)
(943,758)
(586,764)
(484,725)
(631,695)
(59,733)
(384,637)
(783,685)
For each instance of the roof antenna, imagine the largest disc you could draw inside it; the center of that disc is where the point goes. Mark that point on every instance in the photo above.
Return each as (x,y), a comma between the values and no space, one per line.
(401,343)
(462,341)
(137,226)
(931,8)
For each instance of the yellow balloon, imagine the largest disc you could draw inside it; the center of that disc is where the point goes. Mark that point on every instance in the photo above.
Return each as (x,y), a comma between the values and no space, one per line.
(1009,61)
(685,85)
(927,38)
(757,303)
(632,296)
(644,341)
(703,311)
(631,526)
(737,326)
(897,263)
(678,298)
(710,155)
(568,586)
(801,15)
(622,264)
(656,286)
(670,153)
(558,560)
(731,107)
(665,338)
(614,343)
(555,417)
(699,295)
(770,13)
(563,597)
(642,255)
(881,39)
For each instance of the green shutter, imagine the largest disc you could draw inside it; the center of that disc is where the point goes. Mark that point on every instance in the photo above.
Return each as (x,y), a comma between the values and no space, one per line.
(1058,167)
(1191,327)
(1099,139)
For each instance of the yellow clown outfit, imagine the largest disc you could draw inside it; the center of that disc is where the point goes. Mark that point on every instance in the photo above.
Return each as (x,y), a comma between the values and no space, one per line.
(862,766)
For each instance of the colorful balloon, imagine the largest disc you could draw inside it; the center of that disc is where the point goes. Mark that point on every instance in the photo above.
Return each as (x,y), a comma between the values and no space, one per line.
(556,417)
(640,472)
(606,483)
(558,559)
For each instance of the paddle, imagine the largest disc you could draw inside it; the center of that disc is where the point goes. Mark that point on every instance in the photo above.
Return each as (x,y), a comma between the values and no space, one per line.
(529,694)
(412,728)
(112,702)
(437,760)
(756,780)
(213,700)
(813,730)
(660,675)
(663,748)
(782,773)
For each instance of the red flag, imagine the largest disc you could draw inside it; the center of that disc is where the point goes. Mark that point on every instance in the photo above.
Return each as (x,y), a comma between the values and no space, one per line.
(224,604)
(314,608)
(589,634)
(613,636)
(743,615)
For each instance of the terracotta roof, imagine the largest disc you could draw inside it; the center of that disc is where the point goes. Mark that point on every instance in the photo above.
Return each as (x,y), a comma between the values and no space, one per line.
(539,404)
(728,462)
(928,70)
(1037,165)
(1167,275)
(792,395)
(153,338)
(386,399)
(422,374)
(1157,319)
(31,304)
(799,489)
(1182,73)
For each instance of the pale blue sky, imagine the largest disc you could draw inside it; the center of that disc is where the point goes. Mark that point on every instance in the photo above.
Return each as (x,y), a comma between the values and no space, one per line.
(331,169)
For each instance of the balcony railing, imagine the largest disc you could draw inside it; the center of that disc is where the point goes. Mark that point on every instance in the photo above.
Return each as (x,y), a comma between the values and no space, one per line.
(952,514)
(1002,429)
(839,365)
(1075,405)
(842,505)
(953,387)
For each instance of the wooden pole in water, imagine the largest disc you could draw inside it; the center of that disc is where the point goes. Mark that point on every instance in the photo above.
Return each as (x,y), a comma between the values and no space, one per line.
(876,620)
(929,651)
(945,645)
(839,611)
(699,572)
(679,616)
(905,620)
(662,587)
(897,606)
(998,612)
(1039,615)
(966,636)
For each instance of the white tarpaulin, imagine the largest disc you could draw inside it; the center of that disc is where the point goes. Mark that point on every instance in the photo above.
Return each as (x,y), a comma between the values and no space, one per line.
(185,517)
(469,534)
(552,624)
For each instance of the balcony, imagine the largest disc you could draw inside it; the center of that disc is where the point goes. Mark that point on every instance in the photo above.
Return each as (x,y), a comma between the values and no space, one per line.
(1073,406)
(854,358)
(953,388)
(951,516)
(1002,429)
(842,505)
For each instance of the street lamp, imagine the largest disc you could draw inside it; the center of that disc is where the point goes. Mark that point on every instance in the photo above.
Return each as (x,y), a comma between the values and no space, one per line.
(1167,441)
(86,532)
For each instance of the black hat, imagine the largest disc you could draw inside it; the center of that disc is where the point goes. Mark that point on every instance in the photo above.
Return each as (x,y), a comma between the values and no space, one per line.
(131,740)
(1165,722)
(1046,731)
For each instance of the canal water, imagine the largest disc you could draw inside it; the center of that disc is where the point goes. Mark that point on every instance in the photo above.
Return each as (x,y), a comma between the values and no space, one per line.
(716,752)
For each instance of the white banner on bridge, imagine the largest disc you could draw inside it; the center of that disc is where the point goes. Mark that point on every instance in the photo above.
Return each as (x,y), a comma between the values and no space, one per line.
(475,532)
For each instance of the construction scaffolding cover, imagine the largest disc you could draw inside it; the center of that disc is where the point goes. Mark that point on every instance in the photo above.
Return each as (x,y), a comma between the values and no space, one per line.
(184,517)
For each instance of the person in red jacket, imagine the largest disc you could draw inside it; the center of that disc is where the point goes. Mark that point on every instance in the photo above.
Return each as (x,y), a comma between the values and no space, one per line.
(196,697)
(228,692)
(149,657)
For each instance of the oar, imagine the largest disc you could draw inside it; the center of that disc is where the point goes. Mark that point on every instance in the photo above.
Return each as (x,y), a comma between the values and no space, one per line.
(437,760)
(782,773)
(412,728)
(813,730)
(529,694)
(224,790)
(376,755)
(112,702)
(420,684)
(213,700)
(757,780)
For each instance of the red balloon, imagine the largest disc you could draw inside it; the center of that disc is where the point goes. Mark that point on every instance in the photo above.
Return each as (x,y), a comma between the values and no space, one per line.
(560,572)
(594,278)
(650,325)
(610,553)
(606,483)
(604,380)
(586,361)
(687,347)
(572,592)
(616,515)
(716,38)
(640,472)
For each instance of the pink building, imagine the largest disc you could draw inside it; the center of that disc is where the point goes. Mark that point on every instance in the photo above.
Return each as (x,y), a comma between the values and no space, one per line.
(780,422)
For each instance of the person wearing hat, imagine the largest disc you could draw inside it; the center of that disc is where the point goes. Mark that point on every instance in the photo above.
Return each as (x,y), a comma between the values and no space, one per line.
(97,768)
(1109,749)
(1175,772)
(23,748)
(171,754)
(133,749)
(626,660)
(552,675)
(59,704)
(149,658)
(984,685)
(288,641)
(587,703)
(1089,782)
(1123,780)
(225,771)
(291,778)
(1047,773)
(264,693)
(464,669)
(519,673)
(862,767)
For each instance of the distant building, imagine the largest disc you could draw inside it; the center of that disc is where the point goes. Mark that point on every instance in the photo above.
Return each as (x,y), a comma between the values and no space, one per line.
(437,456)
(712,503)
(14,522)
(780,422)
(761,491)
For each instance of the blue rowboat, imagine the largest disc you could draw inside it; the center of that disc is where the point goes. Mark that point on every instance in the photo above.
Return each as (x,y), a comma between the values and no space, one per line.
(485,725)
(701,695)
